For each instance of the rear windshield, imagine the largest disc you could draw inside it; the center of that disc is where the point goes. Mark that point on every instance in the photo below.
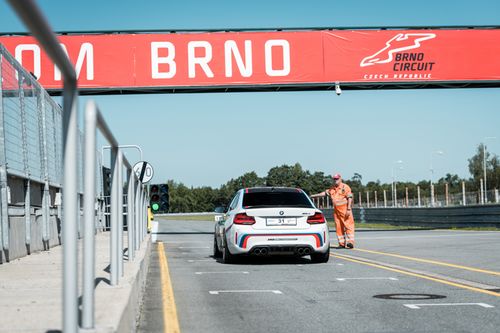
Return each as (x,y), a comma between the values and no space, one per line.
(276,199)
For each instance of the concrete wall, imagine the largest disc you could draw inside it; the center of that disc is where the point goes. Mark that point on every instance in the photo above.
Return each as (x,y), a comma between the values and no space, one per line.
(18,246)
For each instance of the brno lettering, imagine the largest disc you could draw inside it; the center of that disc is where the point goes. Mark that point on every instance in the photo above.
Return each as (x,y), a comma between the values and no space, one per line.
(202,61)
(200,54)
(86,52)
(156,60)
(231,50)
(268,49)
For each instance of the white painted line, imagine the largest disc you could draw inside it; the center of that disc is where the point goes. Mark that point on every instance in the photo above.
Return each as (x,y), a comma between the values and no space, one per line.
(194,260)
(340,264)
(217,292)
(224,272)
(299,265)
(369,278)
(193,247)
(418,306)
(184,242)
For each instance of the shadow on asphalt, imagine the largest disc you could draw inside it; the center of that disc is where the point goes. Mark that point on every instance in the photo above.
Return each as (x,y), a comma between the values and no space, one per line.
(271,260)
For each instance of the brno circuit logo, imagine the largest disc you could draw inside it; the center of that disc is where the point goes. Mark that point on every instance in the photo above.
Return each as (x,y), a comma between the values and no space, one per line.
(398,43)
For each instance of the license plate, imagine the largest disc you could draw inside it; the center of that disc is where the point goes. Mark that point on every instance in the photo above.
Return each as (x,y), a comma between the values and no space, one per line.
(281,221)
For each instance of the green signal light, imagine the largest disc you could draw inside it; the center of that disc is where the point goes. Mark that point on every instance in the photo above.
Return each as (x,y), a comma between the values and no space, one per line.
(155,206)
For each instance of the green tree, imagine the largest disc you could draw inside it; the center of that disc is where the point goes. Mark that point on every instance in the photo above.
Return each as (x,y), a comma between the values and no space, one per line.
(476,167)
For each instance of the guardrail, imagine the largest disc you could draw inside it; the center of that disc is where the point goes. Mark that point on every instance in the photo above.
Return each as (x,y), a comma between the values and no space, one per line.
(94,121)
(136,210)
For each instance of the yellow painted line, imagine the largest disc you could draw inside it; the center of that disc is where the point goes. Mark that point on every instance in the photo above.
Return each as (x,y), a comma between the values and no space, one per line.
(170,320)
(454,284)
(435,262)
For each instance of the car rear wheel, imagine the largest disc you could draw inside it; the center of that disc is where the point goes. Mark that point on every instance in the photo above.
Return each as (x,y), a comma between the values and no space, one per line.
(227,257)
(320,257)
(217,252)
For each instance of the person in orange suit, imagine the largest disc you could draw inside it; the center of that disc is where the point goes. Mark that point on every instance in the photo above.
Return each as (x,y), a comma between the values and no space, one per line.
(341,196)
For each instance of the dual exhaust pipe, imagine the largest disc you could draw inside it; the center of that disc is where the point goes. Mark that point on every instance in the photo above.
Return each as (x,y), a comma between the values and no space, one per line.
(303,251)
(261,251)
(264,251)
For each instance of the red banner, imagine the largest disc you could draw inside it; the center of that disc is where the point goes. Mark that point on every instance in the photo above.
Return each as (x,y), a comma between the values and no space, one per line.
(267,58)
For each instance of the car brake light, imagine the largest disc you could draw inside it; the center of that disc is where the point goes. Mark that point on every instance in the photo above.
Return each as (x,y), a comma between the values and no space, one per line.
(243,218)
(317,218)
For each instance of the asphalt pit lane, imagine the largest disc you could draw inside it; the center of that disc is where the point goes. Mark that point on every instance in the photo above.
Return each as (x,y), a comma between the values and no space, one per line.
(409,297)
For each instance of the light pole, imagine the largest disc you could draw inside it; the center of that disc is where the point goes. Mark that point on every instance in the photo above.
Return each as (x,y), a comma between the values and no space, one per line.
(484,166)
(394,192)
(437,152)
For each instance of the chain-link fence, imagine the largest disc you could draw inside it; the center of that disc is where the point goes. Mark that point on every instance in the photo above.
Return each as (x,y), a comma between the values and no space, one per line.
(31,161)
(32,125)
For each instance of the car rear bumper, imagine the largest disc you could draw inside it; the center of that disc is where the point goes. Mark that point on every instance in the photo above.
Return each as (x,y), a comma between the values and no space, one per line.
(296,250)
(280,243)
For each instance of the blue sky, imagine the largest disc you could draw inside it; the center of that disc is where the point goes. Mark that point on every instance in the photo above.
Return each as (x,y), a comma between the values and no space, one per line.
(206,139)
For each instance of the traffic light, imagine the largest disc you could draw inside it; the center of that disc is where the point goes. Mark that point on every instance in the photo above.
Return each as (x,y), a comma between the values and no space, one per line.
(164,198)
(106,181)
(154,199)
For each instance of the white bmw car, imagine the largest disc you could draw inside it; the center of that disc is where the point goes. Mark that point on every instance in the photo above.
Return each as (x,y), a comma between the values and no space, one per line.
(264,221)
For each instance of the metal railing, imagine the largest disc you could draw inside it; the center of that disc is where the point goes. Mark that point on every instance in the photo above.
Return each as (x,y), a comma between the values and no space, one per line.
(136,210)
(94,121)
(34,20)
(373,199)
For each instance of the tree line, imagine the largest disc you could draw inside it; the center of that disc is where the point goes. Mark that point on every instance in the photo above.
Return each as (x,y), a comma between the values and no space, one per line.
(185,199)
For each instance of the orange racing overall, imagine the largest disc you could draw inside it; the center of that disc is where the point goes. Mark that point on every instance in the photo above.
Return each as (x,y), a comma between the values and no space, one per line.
(344,225)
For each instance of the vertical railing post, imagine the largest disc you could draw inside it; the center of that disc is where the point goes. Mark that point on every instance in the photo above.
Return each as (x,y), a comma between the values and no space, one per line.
(45,165)
(4,215)
(482,191)
(447,198)
(419,203)
(114,211)
(137,215)
(146,218)
(407,199)
(120,213)
(463,194)
(70,211)
(130,214)
(88,297)
(24,145)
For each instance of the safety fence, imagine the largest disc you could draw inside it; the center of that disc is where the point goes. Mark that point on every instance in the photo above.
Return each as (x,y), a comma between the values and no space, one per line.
(385,199)
(41,143)
(437,217)
(30,162)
